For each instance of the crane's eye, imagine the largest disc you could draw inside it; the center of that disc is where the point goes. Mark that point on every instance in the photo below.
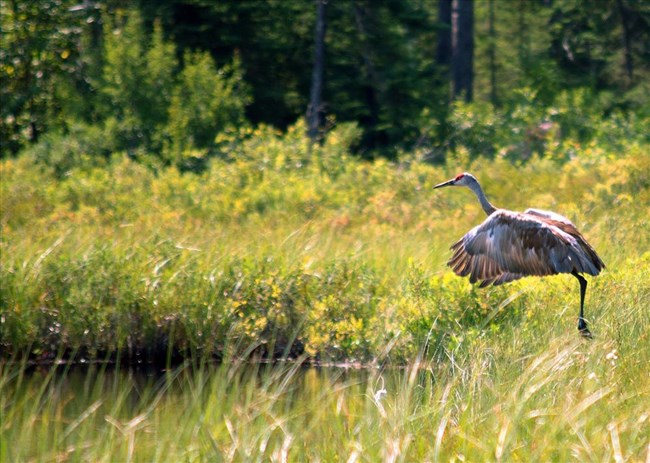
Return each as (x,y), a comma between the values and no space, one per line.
(459,176)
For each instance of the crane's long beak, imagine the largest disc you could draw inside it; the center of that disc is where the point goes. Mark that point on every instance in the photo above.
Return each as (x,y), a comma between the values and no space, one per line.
(448,183)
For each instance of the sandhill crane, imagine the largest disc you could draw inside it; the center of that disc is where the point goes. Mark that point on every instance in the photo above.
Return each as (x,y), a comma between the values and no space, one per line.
(511,245)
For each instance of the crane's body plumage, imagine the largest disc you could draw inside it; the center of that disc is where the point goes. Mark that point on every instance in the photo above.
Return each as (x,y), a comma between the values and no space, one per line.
(511,245)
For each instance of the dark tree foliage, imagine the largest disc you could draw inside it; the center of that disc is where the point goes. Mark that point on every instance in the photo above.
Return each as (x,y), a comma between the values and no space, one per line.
(596,43)
(38,50)
(491,52)
(379,56)
(389,65)
(273,38)
(381,70)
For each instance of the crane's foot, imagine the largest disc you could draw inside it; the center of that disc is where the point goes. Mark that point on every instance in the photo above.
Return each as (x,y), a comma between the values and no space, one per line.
(582,327)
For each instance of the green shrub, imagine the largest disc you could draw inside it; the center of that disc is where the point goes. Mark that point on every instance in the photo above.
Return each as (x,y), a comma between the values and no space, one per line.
(82,147)
(205,102)
(137,82)
(526,128)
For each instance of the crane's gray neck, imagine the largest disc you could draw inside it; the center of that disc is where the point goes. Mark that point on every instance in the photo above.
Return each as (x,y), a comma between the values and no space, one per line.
(485,204)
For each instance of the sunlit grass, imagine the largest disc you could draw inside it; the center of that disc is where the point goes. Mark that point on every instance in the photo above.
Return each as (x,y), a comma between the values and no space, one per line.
(513,396)
(327,255)
(323,261)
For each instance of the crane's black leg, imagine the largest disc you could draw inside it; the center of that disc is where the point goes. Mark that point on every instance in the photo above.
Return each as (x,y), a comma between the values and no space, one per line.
(582,323)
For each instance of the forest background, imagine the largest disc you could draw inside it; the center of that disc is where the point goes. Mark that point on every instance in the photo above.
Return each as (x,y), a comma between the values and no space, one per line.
(161,80)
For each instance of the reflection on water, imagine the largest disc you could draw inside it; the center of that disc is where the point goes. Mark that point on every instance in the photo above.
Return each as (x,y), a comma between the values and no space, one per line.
(95,412)
(77,387)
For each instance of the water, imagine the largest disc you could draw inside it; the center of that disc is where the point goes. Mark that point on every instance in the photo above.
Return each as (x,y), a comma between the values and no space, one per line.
(251,410)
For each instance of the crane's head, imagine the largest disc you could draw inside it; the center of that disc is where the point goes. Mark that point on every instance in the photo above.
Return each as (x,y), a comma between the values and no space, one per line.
(464,179)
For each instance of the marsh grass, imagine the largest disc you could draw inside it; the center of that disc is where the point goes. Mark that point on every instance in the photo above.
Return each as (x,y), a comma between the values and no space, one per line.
(327,256)
(496,398)
(305,259)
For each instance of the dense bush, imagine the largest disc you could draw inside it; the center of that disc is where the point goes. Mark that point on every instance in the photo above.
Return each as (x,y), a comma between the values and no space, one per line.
(289,247)
(145,103)
(205,102)
(136,83)
(527,128)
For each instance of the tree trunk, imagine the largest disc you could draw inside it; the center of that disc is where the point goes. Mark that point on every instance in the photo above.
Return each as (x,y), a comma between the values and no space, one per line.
(492,54)
(523,45)
(443,50)
(373,87)
(315,107)
(629,66)
(462,56)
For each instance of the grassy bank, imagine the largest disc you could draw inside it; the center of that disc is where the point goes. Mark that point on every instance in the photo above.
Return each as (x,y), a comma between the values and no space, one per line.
(282,251)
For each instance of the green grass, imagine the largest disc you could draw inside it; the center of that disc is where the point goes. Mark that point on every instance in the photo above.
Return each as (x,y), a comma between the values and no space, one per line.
(509,397)
(278,253)
(293,253)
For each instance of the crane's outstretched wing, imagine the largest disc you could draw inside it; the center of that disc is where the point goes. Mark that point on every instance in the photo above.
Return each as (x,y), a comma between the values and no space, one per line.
(564,224)
(509,245)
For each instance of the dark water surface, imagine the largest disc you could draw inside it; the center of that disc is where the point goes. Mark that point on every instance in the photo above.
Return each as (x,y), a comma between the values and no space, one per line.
(81,412)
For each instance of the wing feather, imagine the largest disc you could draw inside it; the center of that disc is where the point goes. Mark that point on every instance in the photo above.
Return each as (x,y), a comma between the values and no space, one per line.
(567,226)
(510,245)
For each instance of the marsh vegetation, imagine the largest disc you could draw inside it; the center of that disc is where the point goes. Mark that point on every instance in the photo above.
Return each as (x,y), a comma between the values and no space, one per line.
(187,275)
(316,257)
